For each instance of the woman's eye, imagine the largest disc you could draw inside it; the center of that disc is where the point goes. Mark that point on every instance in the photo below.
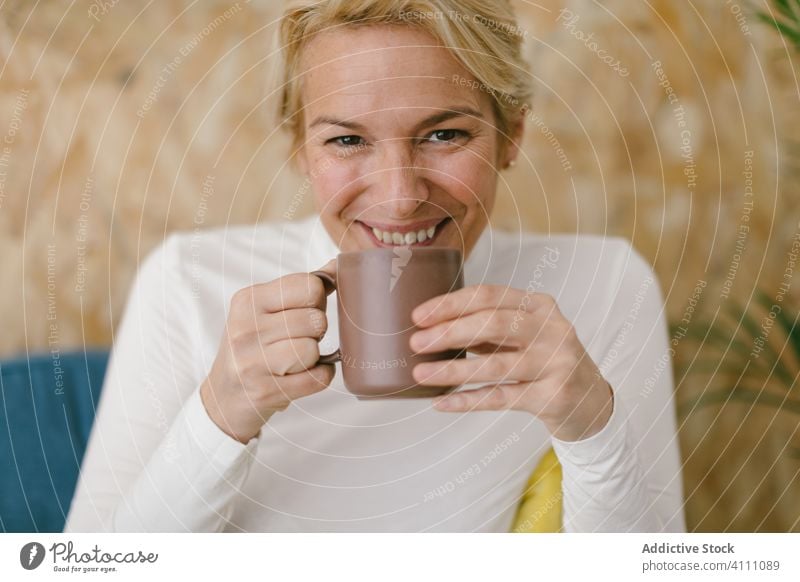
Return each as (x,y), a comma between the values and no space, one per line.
(346,140)
(447,135)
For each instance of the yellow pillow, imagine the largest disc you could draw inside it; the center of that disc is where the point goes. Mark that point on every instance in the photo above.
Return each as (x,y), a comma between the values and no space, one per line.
(540,507)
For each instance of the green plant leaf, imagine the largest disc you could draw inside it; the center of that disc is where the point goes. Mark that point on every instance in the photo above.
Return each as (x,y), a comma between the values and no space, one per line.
(785,7)
(725,341)
(738,395)
(792,330)
(786,30)
(753,327)
(710,366)
(715,331)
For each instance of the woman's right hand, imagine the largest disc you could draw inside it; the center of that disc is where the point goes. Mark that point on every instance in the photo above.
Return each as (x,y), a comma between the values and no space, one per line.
(268,353)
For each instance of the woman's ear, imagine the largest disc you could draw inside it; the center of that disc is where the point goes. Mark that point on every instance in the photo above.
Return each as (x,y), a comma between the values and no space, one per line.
(511,143)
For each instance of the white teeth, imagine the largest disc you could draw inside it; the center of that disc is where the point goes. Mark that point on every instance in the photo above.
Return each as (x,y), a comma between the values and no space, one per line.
(408,238)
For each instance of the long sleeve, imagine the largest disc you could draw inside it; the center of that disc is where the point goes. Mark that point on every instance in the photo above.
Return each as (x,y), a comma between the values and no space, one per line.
(155,461)
(627,477)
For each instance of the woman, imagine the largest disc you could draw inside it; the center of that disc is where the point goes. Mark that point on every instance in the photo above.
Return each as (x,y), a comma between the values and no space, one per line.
(215,415)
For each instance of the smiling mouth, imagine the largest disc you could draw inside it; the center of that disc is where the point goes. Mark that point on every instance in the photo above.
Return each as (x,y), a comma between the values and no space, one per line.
(423,234)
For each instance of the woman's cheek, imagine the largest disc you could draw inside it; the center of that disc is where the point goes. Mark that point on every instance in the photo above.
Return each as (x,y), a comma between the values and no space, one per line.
(467,181)
(333,180)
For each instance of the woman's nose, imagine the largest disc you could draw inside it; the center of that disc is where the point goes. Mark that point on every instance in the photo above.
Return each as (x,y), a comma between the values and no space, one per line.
(400,182)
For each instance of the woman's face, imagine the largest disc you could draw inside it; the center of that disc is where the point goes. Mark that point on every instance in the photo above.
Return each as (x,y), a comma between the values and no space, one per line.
(400,146)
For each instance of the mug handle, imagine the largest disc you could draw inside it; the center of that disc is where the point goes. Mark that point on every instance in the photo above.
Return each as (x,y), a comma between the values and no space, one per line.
(330,286)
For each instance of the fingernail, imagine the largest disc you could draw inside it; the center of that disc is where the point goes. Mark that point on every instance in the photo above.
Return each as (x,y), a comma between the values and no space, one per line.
(449,403)
(441,404)
(417,373)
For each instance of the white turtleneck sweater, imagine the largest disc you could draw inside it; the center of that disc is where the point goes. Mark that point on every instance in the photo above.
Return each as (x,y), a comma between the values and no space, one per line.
(155,461)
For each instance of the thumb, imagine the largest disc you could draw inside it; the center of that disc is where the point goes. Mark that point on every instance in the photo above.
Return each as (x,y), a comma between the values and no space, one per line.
(329,267)
(329,282)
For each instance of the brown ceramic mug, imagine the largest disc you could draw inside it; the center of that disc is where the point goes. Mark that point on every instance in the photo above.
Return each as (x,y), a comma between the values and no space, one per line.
(377,289)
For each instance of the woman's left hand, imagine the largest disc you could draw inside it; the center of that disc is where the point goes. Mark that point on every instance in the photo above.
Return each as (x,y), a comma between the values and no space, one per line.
(530,358)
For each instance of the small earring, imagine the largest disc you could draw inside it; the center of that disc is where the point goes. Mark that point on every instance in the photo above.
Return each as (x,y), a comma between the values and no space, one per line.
(512,163)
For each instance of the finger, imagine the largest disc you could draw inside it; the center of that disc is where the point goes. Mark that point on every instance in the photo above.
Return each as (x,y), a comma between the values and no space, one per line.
(327,274)
(281,390)
(492,326)
(291,356)
(491,397)
(293,291)
(498,367)
(329,267)
(307,382)
(477,298)
(291,323)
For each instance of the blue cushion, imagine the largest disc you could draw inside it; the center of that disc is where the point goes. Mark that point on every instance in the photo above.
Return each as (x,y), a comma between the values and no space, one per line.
(47,406)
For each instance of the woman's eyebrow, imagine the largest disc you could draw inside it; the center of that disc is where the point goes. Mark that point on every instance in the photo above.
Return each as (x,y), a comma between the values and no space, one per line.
(446,115)
(333,121)
(427,122)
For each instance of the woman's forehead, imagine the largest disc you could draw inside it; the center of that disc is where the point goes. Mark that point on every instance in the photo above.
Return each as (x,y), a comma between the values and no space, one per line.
(363,69)
(373,44)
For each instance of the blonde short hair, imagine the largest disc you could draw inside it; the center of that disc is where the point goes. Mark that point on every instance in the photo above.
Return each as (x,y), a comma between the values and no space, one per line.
(482,34)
